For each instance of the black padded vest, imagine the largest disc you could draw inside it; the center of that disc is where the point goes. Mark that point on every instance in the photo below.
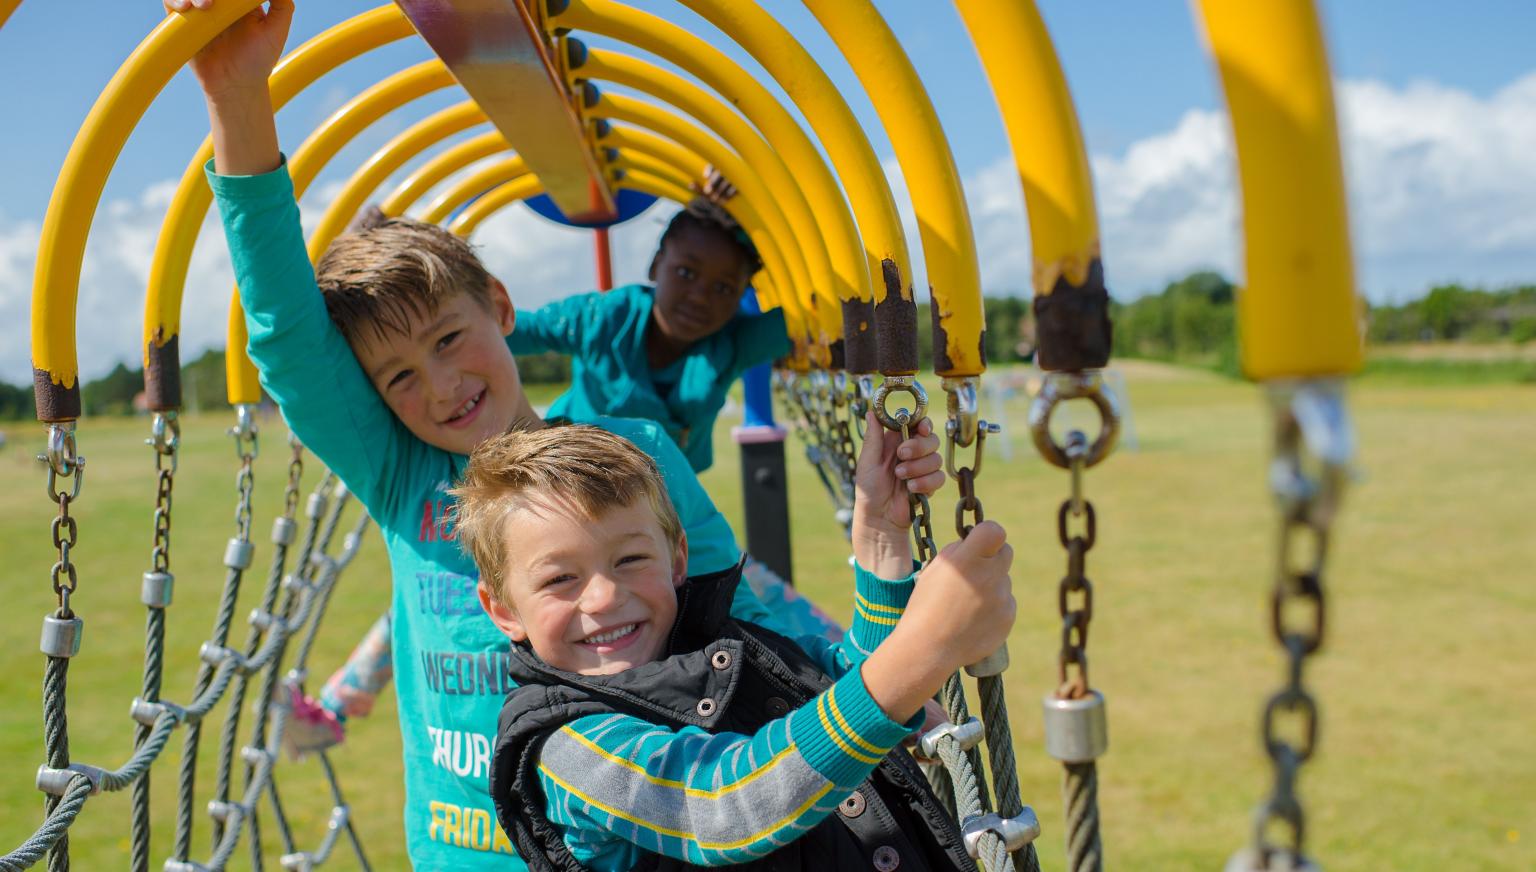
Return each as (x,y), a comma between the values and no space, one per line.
(892,822)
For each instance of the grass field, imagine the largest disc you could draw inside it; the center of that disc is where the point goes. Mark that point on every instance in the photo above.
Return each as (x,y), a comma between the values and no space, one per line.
(1427,683)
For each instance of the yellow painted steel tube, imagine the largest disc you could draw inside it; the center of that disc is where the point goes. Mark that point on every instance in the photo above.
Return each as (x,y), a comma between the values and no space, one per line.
(514,190)
(943,220)
(1071,305)
(823,106)
(343,125)
(440,167)
(384,162)
(668,124)
(628,161)
(189,205)
(711,66)
(61,247)
(6,8)
(1043,128)
(755,152)
(473,185)
(646,183)
(1297,314)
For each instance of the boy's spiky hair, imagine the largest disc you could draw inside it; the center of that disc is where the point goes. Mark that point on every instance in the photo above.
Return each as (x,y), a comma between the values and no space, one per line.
(387,275)
(705,214)
(592,469)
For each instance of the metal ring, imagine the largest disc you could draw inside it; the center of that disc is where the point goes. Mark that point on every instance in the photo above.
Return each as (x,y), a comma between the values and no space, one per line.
(896,384)
(1059,387)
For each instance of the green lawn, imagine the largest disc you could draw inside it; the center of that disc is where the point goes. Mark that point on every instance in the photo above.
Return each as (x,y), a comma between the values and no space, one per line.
(1426,684)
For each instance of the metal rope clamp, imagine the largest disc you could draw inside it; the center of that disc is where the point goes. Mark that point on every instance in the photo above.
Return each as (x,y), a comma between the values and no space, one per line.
(55,782)
(906,417)
(61,636)
(157,589)
(1059,387)
(967,735)
(1076,730)
(1016,832)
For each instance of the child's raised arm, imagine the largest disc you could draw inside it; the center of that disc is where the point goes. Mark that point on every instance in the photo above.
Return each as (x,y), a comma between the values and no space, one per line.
(232,70)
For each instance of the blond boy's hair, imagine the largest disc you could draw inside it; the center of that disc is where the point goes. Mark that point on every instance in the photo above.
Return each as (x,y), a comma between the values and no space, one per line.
(394,272)
(590,468)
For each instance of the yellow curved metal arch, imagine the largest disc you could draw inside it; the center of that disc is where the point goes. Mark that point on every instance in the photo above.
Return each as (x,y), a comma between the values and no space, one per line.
(384,162)
(61,246)
(628,161)
(473,185)
(312,155)
(1047,140)
(508,181)
(858,167)
(943,220)
(189,205)
(1298,315)
(829,207)
(6,8)
(440,167)
(513,190)
(756,154)
(670,125)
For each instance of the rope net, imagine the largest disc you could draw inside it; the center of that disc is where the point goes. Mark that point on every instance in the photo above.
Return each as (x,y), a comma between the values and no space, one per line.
(305,564)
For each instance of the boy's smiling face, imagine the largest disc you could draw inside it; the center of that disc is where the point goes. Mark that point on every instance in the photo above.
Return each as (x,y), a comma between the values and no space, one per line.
(452,381)
(594,596)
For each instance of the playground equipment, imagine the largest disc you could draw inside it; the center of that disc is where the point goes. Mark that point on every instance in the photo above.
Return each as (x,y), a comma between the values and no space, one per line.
(836,261)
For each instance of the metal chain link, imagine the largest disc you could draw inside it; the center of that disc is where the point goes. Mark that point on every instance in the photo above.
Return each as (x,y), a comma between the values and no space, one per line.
(1072,660)
(1314,450)
(924,548)
(66,475)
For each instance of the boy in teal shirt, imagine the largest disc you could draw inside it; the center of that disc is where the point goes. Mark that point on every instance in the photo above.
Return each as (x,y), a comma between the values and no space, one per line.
(392,376)
(666,353)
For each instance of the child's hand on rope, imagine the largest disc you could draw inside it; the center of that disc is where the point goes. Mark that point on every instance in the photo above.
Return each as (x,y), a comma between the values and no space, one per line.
(888,470)
(242,57)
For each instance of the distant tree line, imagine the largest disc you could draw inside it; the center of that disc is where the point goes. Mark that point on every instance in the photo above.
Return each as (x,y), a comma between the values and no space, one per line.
(1189,321)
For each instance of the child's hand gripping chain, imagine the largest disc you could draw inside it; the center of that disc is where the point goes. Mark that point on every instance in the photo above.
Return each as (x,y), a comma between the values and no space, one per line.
(962,608)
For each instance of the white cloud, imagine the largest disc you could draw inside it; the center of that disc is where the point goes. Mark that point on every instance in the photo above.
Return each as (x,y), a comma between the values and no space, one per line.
(1440,186)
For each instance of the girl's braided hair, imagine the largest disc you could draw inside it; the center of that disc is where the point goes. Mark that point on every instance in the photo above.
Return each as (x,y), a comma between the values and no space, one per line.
(704,214)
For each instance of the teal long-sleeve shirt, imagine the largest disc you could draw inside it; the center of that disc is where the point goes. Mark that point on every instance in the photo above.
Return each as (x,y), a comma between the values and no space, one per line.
(619,786)
(450,661)
(604,333)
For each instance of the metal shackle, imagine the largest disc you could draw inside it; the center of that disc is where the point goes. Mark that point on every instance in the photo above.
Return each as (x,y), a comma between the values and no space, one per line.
(1060,387)
(1076,730)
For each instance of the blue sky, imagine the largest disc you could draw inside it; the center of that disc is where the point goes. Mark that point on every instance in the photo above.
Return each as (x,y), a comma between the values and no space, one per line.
(1438,103)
